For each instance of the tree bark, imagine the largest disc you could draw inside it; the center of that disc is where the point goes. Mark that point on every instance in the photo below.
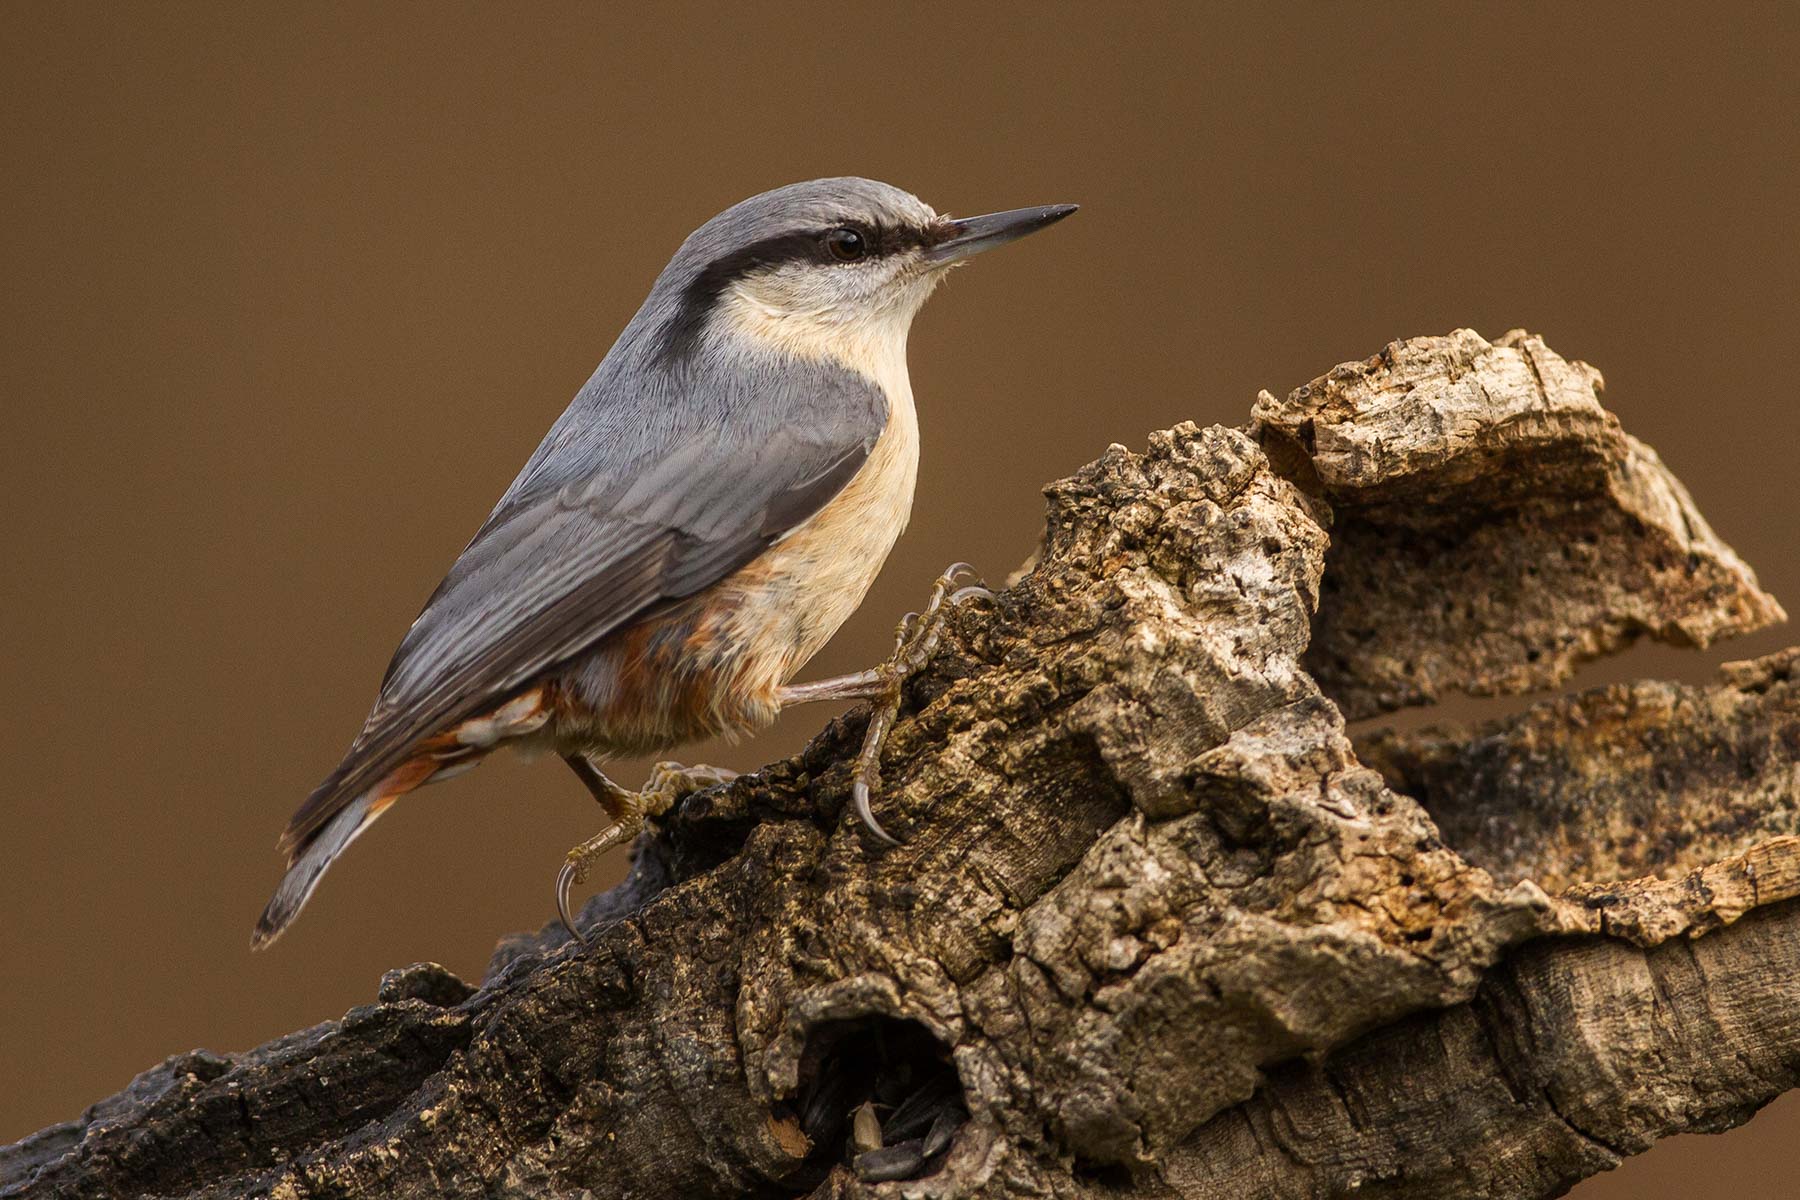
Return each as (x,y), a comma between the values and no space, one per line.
(1162,925)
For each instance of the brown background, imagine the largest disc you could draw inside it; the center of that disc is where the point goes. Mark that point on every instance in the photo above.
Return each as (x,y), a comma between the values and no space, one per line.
(289,295)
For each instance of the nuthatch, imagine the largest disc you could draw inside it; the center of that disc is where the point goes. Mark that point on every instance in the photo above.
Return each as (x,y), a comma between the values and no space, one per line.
(705,514)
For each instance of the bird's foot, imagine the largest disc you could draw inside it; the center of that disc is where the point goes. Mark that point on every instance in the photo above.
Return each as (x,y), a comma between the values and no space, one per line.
(668,783)
(915,641)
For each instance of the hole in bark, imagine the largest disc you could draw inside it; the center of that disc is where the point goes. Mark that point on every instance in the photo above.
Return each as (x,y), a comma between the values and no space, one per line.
(1108,1176)
(881,1095)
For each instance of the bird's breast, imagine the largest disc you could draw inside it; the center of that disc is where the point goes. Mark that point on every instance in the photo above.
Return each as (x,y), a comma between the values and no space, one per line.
(795,595)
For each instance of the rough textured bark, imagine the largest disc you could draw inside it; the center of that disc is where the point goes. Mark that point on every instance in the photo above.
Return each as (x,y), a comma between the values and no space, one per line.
(1161,925)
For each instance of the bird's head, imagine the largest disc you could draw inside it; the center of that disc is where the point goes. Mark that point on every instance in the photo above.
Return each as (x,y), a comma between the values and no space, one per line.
(831,268)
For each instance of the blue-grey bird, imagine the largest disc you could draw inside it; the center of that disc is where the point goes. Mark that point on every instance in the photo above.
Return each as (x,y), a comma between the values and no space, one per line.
(705,514)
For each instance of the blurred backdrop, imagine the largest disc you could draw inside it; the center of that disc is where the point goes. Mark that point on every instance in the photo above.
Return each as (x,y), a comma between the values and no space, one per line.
(290,292)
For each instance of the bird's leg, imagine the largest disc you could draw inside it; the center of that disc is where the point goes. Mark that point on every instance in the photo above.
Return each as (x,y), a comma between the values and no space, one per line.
(915,640)
(668,782)
(858,686)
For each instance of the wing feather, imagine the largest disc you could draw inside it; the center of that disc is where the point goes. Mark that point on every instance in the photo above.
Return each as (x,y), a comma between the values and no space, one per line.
(553,572)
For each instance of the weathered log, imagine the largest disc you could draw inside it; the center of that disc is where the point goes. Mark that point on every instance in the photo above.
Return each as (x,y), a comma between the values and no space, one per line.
(1161,926)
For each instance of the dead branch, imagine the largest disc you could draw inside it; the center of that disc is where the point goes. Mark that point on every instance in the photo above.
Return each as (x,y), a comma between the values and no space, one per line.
(1161,926)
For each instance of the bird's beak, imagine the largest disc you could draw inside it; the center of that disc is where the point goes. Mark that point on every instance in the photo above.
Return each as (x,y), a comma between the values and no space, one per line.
(972,235)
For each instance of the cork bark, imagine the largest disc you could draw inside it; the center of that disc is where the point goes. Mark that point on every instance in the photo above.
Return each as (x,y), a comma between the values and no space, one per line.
(1162,925)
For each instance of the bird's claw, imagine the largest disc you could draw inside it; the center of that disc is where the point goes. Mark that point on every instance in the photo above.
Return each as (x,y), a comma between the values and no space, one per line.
(915,641)
(868,774)
(668,783)
(974,591)
(580,861)
(571,874)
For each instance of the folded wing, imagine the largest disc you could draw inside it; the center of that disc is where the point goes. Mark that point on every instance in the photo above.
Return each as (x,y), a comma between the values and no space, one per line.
(559,567)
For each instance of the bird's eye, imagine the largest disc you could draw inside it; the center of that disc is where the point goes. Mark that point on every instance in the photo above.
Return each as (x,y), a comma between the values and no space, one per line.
(847,245)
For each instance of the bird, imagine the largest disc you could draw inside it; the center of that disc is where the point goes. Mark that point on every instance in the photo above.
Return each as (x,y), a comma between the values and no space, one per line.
(708,510)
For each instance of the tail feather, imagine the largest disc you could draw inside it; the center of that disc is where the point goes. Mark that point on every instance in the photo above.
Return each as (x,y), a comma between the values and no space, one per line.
(308,865)
(334,816)
(311,854)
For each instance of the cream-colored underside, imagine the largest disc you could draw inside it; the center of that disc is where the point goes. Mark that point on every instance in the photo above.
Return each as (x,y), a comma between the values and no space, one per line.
(799,591)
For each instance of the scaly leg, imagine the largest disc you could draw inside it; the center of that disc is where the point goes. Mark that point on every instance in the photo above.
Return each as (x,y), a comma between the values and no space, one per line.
(915,641)
(859,686)
(668,783)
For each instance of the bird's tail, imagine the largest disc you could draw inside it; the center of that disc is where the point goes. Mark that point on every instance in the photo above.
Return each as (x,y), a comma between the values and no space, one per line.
(313,853)
(334,815)
(308,863)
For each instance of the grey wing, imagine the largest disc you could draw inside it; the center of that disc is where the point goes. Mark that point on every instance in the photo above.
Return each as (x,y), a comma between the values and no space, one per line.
(553,573)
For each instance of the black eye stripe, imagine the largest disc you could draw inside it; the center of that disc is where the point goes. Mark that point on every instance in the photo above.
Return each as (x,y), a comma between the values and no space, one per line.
(898,238)
(808,245)
(801,245)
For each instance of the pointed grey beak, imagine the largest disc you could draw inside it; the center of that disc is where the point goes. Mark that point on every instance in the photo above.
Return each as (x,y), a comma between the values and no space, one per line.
(972,235)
